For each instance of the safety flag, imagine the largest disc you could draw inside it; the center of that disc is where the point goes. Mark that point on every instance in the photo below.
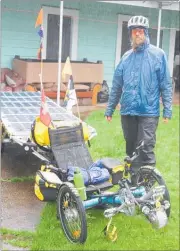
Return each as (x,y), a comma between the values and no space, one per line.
(39,54)
(40,32)
(45,117)
(39,20)
(67,70)
(70,98)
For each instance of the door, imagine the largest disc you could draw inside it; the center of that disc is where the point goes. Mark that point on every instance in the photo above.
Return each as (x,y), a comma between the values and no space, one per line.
(126,44)
(176,63)
(177,43)
(52,50)
(153,37)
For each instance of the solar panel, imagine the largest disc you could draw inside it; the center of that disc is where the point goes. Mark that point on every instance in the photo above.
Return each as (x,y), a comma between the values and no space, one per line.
(19,110)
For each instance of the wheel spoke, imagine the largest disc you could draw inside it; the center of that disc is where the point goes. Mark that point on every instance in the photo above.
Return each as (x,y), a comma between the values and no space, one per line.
(149,179)
(71,215)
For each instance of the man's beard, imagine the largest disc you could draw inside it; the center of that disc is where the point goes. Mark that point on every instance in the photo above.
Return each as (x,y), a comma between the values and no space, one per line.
(136,44)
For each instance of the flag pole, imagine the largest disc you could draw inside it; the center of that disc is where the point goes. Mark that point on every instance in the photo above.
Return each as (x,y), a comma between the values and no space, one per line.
(60,51)
(39,22)
(41,70)
(78,109)
(159,25)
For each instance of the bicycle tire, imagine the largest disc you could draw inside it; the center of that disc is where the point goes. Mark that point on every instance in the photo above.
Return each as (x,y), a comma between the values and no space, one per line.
(65,189)
(149,170)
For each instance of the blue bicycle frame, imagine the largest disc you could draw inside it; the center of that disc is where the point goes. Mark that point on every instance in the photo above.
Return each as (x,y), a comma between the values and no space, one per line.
(110,199)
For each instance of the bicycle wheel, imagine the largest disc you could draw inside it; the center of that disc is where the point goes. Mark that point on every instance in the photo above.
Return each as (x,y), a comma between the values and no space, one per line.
(149,177)
(72,215)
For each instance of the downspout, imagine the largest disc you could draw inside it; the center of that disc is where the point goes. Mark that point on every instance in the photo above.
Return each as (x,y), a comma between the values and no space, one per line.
(60,51)
(159,25)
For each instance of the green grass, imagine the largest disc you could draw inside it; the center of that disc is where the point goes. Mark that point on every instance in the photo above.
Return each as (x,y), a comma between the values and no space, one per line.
(134,233)
(22,239)
(19,179)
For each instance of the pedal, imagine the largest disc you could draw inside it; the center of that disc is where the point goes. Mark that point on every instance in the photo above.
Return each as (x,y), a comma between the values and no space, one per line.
(110,231)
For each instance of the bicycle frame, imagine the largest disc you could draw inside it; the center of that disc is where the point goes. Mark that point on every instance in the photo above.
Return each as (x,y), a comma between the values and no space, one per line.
(111,198)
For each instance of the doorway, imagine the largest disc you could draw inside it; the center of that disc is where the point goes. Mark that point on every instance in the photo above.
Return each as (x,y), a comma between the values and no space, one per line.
(176,68)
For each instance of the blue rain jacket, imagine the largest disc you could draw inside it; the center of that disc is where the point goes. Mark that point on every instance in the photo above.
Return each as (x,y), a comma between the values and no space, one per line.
(141,77)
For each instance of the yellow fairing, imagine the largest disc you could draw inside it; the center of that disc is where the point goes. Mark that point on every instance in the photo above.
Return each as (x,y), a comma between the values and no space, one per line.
(41,133)
(118,168)
(38,192)
(85,132)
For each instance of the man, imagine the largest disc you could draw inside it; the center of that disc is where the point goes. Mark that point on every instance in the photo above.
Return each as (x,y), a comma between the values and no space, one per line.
(140,79)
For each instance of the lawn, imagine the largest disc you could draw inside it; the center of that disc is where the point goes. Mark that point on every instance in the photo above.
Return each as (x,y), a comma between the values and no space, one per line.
(134,233)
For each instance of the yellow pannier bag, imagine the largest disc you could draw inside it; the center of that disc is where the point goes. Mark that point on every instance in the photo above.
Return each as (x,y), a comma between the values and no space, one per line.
(39,133)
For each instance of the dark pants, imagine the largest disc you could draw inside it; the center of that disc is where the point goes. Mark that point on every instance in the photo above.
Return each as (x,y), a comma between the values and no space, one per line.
(136,129)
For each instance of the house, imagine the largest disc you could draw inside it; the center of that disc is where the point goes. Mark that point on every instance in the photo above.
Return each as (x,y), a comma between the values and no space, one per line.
(91,29)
